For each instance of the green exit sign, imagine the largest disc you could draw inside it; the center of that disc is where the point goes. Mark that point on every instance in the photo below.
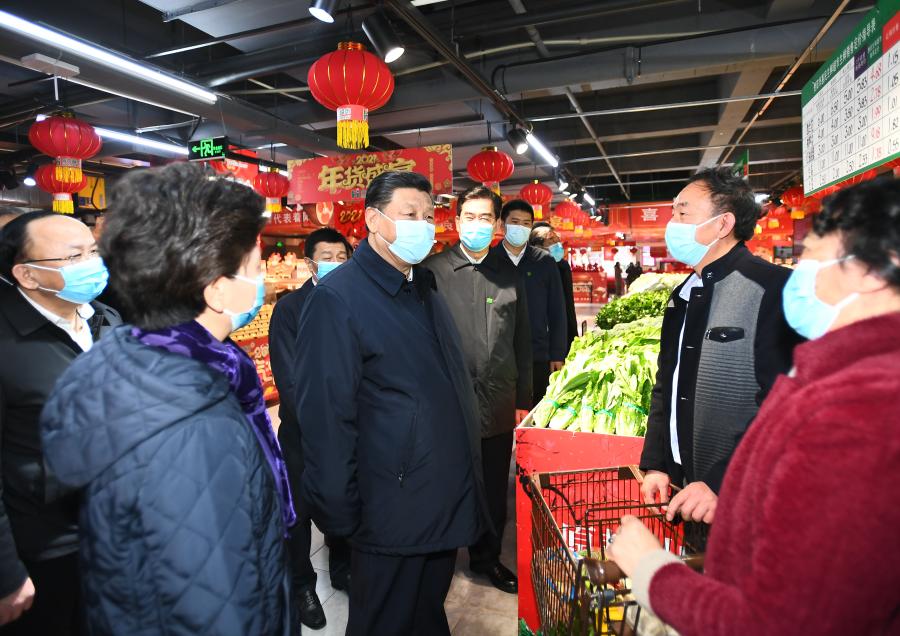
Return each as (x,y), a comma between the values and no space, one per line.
(203,149)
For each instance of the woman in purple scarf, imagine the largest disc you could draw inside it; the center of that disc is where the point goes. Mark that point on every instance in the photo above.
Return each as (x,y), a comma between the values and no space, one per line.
(163,426)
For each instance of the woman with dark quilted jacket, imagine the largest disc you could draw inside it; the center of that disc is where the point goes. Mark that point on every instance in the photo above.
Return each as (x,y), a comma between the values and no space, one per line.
(163,425)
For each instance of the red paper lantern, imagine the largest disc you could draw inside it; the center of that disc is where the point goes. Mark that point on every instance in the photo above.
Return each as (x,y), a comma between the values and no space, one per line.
(62,191)
(273,186)
(567,212)
(490,167)
(68,141)
(352,82)
(538,195)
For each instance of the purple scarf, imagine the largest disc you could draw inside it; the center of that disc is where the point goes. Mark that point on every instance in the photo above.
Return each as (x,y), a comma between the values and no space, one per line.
(193,341)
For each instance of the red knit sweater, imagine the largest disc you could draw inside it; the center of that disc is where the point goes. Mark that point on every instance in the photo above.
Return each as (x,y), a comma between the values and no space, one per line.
(806,538)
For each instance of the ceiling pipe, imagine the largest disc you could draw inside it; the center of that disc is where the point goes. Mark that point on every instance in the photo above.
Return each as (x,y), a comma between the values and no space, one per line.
(790,73)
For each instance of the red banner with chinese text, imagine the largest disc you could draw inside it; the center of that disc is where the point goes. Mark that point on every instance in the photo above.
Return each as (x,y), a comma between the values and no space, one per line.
(346,177)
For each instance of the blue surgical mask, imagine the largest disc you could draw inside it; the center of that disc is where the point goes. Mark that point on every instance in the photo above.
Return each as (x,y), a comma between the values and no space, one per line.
(682,242)
(517,235)
(324,268)
(476,235)
(557,251)
(805,312)
(82,281)
(414,240)
(244,318)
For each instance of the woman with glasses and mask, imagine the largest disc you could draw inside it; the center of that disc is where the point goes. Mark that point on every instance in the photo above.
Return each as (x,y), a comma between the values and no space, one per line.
(163,426)
(805,533)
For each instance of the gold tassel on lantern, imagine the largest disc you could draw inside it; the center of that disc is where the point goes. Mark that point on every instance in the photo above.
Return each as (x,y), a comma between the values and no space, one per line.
(273,205)
(63,203)
(68,170)
(353,127)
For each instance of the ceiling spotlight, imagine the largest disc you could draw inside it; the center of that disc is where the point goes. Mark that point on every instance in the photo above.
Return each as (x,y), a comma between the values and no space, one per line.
(589,200)
(29,176)
(562,182)
(516,138)
(382,36)
(323,10)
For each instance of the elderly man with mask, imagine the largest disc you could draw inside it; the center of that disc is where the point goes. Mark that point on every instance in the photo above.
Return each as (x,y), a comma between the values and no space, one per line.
(325,250)
(389,420)
(803,499)
(47,317)
(543,235)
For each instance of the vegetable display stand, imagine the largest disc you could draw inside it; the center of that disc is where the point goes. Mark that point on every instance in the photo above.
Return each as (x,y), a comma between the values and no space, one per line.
(543,450)
(574,513)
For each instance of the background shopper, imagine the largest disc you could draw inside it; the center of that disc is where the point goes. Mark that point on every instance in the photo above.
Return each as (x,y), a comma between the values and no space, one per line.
(724,341)
(798,504)
(496,342)
(391,434)
(48,317)
(543,287)
(163,426)
(543,235)
(325,250)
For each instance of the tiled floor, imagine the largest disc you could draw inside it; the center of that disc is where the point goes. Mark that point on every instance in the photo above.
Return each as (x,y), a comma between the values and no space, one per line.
(474,606)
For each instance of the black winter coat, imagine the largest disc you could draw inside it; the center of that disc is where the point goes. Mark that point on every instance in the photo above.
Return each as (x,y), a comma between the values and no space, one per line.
(568,286)
(38,517)
(181,531)
(389,421)
(490,309)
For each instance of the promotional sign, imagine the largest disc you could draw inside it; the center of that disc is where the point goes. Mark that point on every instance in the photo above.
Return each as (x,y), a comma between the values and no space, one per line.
(346,177)
(851,106)
(93,195)
(210,148)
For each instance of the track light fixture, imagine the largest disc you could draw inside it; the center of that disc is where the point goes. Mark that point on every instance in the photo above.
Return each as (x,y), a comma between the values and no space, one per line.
(516,138)
(382,36)
(323,10)
(28,180)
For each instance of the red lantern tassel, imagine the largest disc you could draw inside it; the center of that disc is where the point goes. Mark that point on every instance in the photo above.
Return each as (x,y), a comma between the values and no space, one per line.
(353,127)
(62,203)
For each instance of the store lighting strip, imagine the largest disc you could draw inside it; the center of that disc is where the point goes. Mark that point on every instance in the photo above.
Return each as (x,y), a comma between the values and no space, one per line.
(140,141)
(104,57)
(589,199)
(541,149)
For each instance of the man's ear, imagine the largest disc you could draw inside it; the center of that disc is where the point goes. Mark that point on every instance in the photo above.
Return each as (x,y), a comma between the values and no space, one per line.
(23,276)
(214,294)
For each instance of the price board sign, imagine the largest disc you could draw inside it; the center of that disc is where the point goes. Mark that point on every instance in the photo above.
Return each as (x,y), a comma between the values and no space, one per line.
(851,106)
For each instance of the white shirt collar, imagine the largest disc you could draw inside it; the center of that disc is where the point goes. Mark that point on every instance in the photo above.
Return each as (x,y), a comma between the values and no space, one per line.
(472,260)
(692,282)
(82,337)
(515,258)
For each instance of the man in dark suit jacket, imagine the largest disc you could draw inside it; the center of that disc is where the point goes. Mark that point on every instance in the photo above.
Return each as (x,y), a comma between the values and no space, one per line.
(391,433)
(325,249)
(543,286)
(487,299)
(51,274)
(543,235)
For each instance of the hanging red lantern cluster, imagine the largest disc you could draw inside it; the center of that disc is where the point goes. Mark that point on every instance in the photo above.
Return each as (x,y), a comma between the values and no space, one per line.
(566,212)
(69,141)
(273,186)
(62,191)
(351,81)
(537,195)
(490,167)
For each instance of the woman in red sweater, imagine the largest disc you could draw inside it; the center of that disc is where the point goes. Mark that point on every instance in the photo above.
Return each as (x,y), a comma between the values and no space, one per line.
(806,536)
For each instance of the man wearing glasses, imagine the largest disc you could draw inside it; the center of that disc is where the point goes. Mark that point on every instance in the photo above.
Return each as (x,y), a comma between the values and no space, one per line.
(51,274)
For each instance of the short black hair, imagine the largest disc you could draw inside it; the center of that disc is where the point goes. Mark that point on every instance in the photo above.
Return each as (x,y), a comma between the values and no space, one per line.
(731,193)
(867,216)
(170,232)
(14,242)
(325,235)
(480,192)
(381,188)
(516,205)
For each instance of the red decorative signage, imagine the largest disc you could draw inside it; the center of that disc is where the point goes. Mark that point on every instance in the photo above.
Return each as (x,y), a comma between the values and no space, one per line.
(346,177)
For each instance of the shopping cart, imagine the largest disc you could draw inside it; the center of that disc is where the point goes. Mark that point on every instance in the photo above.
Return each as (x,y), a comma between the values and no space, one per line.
(574,513)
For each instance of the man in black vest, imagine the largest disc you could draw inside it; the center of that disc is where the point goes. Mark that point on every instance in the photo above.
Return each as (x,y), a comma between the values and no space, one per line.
(51,275)
(389,420)
(487,299)
(324,250)
(724,341)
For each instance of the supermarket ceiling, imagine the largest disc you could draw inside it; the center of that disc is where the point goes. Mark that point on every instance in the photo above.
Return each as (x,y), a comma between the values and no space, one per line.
(633,96)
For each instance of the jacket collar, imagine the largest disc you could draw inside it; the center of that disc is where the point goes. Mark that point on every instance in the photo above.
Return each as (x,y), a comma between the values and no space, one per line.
(459,260)
(837,350)
(24,318)
(388,277)
(724,265)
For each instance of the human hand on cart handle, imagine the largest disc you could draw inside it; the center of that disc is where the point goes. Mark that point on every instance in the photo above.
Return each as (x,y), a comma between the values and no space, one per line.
(631,543)
(655,483)
(695,502)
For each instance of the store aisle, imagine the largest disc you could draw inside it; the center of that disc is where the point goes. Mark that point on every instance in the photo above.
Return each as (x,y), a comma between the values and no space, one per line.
(474,606)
